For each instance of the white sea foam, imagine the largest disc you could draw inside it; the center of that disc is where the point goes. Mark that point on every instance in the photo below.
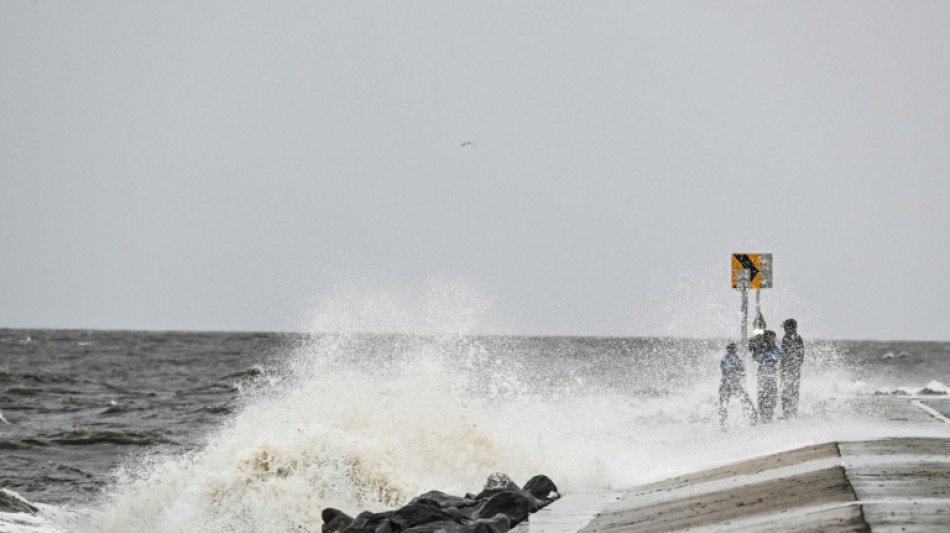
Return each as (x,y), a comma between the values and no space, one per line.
(355,441)
(339,434)
(932,388)
(358,422)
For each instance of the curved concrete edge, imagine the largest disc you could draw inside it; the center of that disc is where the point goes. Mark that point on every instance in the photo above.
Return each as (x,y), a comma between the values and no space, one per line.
(886,484)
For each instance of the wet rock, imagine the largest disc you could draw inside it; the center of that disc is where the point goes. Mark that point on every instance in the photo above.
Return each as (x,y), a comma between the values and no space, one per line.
(416,515)
(498,508)
(495,484)
(335,520)
(443,501)
(497,524)
(500,480)
(368,522)
(540,491)
(439,527)
(541,487)
(509,503)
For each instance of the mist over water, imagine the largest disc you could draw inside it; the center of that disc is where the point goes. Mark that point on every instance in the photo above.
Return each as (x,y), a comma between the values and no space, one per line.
(369,421)
(366,419)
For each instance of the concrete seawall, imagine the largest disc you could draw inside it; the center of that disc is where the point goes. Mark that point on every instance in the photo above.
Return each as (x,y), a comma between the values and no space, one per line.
(886,484)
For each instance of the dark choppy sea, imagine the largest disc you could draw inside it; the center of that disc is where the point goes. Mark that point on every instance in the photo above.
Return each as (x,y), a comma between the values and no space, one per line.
(180,431)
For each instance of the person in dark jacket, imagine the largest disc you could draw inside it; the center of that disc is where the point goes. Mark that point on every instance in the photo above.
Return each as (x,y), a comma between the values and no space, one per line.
(768,356)
(793,354)
(732,384)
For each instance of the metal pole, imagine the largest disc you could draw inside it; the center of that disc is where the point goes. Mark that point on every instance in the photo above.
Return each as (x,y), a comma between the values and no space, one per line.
(742,281)
(744,318)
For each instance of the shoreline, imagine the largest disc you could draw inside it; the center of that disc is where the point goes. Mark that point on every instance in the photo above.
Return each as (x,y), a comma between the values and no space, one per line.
(899,483)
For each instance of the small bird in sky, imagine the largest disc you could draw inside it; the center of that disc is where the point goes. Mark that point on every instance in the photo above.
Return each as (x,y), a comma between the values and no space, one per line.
(467,143)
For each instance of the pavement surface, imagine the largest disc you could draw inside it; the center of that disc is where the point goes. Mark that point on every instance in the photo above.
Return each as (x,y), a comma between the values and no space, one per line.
(880,485)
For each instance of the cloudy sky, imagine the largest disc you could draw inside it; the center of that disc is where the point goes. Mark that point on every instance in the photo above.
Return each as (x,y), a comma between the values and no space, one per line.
(515,167)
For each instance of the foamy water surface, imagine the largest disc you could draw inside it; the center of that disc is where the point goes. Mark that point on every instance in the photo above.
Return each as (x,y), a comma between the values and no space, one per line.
(367,422)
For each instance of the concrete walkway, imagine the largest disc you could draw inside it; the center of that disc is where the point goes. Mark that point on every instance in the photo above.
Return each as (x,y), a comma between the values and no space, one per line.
(888,484)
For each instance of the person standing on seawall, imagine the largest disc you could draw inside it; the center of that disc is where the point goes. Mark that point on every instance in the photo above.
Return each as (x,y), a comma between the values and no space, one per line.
(768,356)
(731,384)
(793,354)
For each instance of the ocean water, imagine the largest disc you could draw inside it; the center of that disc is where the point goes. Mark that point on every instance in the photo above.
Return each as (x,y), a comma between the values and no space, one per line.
(185,432)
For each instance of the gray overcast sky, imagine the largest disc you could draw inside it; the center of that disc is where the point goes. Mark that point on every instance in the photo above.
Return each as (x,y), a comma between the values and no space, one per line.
(235,165)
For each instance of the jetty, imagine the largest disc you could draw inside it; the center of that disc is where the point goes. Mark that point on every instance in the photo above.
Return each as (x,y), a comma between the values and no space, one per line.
(891,483)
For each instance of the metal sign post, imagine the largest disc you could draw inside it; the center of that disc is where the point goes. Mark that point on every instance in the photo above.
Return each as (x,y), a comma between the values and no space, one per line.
(758,325)
(742,283)
(751,271)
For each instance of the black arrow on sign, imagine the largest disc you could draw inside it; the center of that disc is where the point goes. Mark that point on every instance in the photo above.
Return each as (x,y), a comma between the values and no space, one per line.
(747,264)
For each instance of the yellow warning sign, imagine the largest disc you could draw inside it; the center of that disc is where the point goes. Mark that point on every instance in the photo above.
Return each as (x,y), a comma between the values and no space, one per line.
(759,267)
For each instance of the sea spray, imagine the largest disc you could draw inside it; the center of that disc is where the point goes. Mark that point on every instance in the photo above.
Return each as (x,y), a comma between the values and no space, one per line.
(593,413)
(343,430)
(366,421)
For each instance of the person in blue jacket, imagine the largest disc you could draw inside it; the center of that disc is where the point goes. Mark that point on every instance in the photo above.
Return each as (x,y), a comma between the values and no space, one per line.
(768,356)
(731,384)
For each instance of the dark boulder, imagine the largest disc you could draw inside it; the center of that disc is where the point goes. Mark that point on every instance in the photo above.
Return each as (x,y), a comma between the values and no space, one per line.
(416,515)
(541,487)
(443,501)
(540,491)
(498,508)
(335,521)
(439,527)
(488,493)
(497,524)
(499,480)
(368,522)
(513,505)
(495,484)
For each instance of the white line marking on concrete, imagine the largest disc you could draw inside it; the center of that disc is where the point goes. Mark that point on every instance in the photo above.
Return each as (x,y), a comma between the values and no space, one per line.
(930,411)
